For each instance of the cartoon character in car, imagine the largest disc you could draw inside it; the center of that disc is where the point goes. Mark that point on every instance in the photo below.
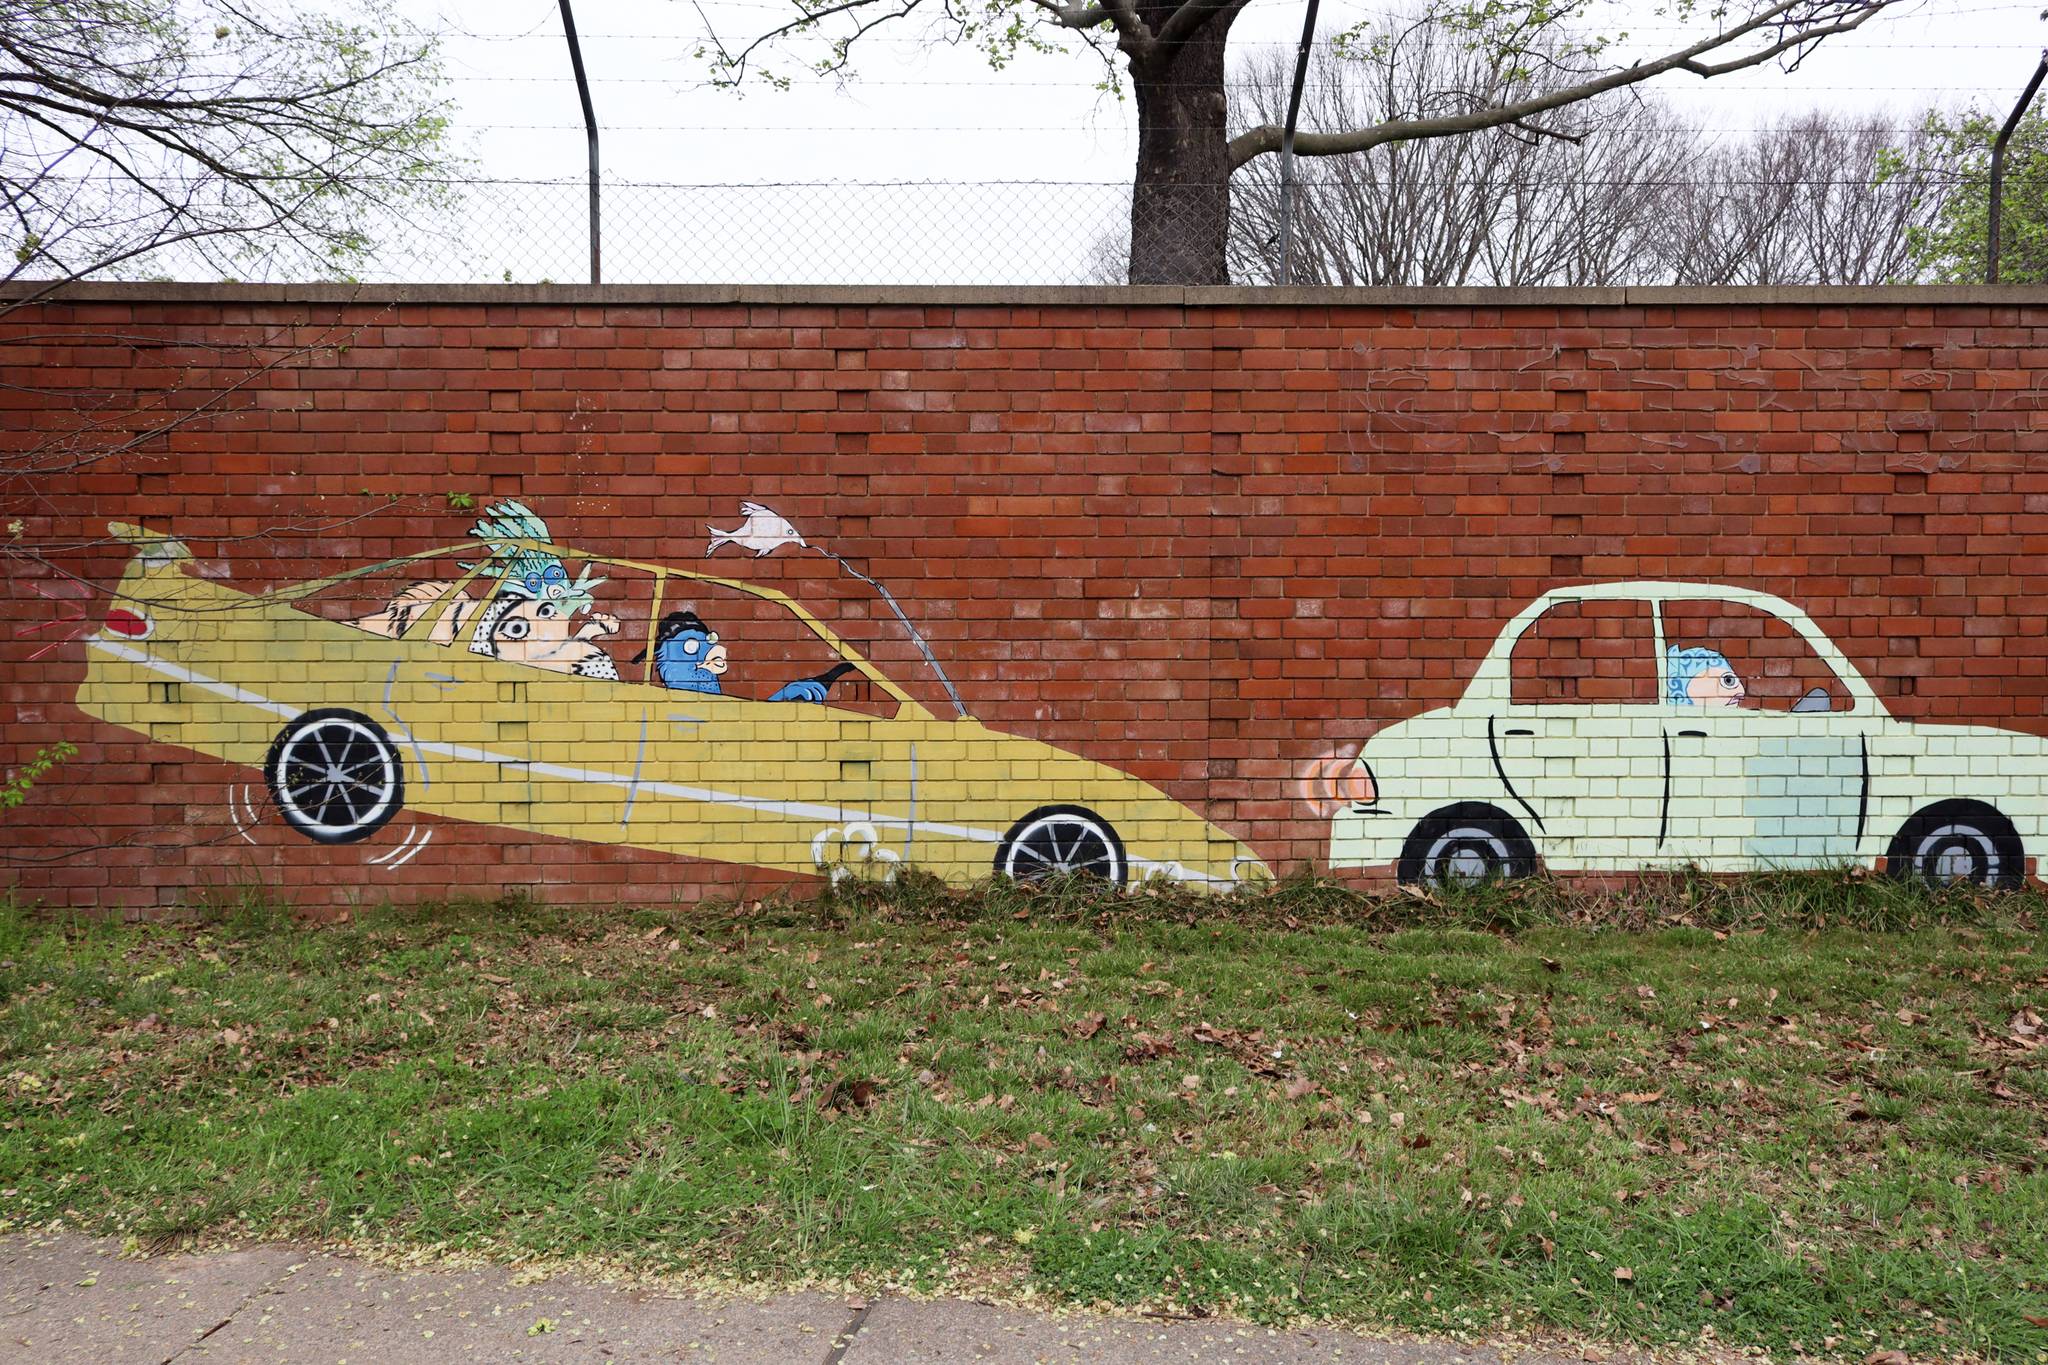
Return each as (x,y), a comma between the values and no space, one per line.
(1700,771)
(430,703)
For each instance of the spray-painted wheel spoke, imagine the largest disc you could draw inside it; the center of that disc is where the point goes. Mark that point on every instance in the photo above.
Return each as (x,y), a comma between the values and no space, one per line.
(1096,852)
(330,798)
(303,782)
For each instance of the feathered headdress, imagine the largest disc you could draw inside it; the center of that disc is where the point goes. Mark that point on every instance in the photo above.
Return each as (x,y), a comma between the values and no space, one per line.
(522,570)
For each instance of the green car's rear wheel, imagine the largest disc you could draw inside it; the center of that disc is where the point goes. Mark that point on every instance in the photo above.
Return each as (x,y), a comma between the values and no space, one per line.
(335,776)
(1466,843)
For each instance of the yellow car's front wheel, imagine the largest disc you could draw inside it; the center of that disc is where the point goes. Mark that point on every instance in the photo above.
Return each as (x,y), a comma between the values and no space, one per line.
(1062,840)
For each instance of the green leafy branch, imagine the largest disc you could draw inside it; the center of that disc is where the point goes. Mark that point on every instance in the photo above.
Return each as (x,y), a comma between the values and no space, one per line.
(20,782)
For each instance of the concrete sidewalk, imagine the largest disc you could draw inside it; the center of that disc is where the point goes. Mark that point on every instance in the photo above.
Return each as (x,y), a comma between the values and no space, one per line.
(68,1298)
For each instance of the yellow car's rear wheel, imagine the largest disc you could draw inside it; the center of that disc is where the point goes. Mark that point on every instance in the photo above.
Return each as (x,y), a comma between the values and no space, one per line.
(335,776)
(1057,841)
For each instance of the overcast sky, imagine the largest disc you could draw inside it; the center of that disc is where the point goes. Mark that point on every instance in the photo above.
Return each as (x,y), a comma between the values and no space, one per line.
(915,111)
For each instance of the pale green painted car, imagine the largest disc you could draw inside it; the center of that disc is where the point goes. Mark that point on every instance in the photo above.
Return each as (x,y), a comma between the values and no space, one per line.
(1495,787)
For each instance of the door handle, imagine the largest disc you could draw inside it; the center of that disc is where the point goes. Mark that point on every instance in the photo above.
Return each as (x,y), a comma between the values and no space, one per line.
(1520,734)
(1692,734)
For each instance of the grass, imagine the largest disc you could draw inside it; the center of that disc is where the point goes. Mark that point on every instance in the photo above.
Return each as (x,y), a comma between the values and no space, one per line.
(1803,1114)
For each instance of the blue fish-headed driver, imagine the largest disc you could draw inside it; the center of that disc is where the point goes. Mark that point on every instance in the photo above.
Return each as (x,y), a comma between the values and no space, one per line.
(687,655)
(689,658)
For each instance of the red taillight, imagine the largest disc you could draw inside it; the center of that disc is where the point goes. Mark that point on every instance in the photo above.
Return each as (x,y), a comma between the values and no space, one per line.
(134,625)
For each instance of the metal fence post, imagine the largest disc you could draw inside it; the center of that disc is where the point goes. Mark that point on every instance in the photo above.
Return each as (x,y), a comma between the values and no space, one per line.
(1308,33)
(589,132)
(1993,219)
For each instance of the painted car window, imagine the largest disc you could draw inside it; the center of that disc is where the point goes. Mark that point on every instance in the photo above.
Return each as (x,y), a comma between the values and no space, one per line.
(511,597)
(1586,653)
(865,614)
(716,640)
(1731,654)
(400,600)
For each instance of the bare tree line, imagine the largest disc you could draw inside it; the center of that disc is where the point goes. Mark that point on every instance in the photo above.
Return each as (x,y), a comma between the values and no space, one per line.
(1625,192)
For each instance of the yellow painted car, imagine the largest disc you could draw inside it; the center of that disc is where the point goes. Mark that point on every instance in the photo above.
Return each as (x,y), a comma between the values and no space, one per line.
(351,722)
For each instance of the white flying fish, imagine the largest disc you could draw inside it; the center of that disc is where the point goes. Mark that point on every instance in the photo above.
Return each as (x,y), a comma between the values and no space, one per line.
(763,530)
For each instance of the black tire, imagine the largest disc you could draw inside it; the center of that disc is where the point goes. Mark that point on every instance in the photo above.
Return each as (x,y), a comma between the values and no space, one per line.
(1466,843)
(1056,839)
(1953,841)
(335,776)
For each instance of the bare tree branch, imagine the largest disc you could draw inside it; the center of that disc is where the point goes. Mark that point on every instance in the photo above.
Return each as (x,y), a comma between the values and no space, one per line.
(1631,196)
(1811,20)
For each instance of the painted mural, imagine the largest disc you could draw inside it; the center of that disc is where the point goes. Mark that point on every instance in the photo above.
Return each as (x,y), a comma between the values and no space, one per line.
(513,681)
(494,684)
(1620,726)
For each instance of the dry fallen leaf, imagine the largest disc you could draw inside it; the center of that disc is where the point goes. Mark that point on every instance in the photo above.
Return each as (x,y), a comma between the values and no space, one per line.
(1624,1274)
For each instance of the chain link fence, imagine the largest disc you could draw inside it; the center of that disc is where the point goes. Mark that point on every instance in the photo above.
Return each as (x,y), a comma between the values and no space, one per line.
(1353,225)
(992,232)
(1350,228)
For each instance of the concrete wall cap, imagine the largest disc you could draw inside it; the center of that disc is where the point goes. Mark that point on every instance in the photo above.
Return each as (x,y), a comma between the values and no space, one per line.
(1113,296)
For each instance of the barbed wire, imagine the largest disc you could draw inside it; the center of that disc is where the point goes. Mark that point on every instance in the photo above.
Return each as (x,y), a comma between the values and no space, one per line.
(1077,83)
(1306,175)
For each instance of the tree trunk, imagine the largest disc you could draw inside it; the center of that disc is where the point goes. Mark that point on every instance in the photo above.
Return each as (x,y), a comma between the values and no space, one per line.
(1180,196)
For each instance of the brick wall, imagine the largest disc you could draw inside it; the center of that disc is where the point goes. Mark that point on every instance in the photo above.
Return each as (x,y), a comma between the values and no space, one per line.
(1211,540)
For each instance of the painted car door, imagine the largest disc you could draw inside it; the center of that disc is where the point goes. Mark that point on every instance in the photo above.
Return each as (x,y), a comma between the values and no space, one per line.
(1759,789)
(1774,770)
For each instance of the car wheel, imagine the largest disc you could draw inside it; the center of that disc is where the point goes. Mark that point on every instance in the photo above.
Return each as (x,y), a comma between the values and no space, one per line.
(1958,841)
(1466,843)
(1062,839)
(335,776)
